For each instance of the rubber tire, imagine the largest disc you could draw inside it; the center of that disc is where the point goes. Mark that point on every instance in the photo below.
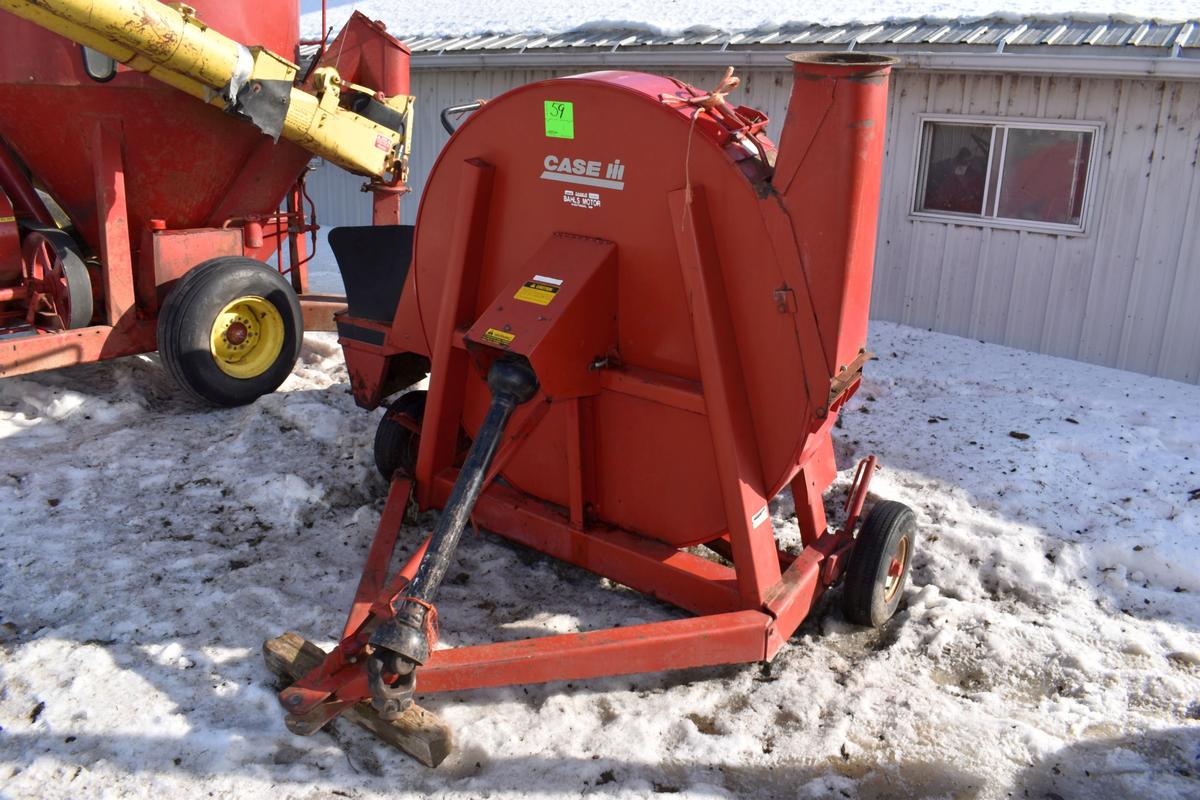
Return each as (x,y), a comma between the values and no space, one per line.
(79,284)
(185,327)
(863,600)
(79,281)
(395,445)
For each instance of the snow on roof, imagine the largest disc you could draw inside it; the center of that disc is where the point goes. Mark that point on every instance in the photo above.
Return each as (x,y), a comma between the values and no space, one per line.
(466,17)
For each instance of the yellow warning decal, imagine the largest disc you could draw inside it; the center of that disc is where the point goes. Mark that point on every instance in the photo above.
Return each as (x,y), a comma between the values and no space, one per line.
(498,338)
(7,219)
(540,290)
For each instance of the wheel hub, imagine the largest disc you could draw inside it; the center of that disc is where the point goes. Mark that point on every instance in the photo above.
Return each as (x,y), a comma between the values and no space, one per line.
(237,333)
(247,337)
(49,299)
(895,570)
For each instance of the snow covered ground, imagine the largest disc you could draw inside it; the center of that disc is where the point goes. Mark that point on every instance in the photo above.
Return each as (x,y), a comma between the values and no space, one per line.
(465,17)
(1049,646)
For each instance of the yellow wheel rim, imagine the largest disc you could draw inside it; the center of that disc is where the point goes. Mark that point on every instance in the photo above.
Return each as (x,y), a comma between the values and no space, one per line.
(247,337)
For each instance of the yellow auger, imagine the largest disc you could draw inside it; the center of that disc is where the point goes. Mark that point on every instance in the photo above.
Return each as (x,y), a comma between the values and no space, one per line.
(173,45)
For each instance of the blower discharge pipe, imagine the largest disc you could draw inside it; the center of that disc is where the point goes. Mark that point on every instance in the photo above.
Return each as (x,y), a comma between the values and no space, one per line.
(828,170)
(402,643)
(181,51)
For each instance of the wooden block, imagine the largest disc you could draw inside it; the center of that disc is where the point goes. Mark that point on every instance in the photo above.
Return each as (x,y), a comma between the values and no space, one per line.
(420,733)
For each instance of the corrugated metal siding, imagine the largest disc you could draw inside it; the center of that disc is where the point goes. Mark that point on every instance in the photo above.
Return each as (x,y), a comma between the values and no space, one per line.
(1124,295)
(338,197)
(1117,296)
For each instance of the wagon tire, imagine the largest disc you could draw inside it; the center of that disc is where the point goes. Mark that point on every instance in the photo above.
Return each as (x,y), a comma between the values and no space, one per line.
(880,564)
(396,443)
(230,331)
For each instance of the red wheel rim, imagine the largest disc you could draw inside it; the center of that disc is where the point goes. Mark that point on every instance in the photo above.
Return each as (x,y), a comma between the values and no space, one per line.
(46,280)
(895,572)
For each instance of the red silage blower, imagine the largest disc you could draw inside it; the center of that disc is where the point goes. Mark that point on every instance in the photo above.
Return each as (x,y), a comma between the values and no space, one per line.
(646,317)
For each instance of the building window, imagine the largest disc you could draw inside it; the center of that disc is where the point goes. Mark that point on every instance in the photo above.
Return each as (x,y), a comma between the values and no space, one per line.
(1013,173)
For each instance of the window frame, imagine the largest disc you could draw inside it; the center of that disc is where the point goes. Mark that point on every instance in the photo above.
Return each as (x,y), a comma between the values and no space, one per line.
(996,155)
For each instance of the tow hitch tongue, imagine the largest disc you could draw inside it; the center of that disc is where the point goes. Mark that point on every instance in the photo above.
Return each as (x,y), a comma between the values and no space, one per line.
(403,643)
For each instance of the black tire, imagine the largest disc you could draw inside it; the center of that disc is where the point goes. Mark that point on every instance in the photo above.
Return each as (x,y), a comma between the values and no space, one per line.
(186,324)
(79,285)
(889,532)
(395,444)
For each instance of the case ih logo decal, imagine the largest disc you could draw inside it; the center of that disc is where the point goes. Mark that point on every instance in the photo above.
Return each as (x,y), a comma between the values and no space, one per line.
(583,172)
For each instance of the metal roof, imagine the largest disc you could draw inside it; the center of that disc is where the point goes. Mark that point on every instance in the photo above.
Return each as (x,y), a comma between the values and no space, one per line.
(1114,36)
(1113,48)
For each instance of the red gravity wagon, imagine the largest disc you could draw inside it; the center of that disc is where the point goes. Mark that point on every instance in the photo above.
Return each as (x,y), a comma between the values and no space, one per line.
(152,180)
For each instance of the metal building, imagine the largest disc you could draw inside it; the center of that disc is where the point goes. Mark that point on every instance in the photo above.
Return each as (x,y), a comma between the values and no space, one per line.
(1041,187)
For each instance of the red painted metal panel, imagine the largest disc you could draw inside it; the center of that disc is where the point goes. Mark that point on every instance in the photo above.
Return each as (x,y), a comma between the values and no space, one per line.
(560,313)
(678,577)
(112,213)
(367,364)
(439,442)
(743,494)
(365,53)
(167,255)
(657,387)
(576,479)
(52,350)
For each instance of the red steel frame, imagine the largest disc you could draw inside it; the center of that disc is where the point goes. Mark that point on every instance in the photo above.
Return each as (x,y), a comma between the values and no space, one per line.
(745,611)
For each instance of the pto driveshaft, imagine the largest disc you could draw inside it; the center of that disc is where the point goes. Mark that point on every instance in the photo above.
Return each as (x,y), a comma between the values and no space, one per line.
(403,643)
